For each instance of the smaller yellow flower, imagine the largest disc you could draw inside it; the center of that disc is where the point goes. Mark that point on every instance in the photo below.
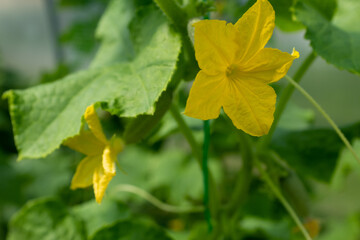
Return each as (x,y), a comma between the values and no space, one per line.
(236,69)
(98,167)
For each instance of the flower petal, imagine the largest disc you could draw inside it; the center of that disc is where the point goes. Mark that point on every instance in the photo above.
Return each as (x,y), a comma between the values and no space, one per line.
(93,121)
(86,143)
(215,44)
(269,65)
(100,182)
(256,27)
(108,160)
(84,172)
(205,98)
(250,105)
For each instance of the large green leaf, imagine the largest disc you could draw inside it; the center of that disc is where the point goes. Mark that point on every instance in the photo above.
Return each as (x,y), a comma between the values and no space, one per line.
(45,115)
(114,34)
(326,8)
(338,42)
(347,15)
(283,18)
(314,152)
(45,219)
(131,230)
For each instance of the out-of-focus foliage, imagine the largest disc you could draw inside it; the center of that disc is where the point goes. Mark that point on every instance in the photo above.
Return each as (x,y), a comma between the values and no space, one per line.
(317,176)
(45,219)
(318,148)
(334,39)
(131,229)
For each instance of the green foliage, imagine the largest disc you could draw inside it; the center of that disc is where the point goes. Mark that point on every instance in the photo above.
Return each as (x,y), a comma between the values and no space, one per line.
(296,118)
(336,45)
(136,75)
(45,219)
(12,193)
(114,33)
(131,229)
(138,128)
(233,9)
(284,17)
(345,228)
(97,216)
(126,89)
(326,8)
(346,15)
(313,152)
(40,183)
(61,71)
(157,175)
(80,35)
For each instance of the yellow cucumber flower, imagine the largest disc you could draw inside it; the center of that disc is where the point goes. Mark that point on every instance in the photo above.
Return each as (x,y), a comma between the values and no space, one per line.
(236,70)
(98,167)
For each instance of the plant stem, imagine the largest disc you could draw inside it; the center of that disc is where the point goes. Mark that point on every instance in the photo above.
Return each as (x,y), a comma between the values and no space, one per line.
(326,116)
(283,200)
(244,177)
(205,171)
(156,202)
(186,131)
(174,12)
(284,99)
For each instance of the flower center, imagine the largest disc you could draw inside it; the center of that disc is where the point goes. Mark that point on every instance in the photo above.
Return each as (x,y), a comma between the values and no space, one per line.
(232,71)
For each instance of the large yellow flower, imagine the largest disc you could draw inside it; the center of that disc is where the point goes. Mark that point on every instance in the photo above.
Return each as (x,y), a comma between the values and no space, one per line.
(236,70)
(98,167)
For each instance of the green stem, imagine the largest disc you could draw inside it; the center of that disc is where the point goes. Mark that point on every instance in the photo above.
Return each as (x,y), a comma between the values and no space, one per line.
(326,116)
(244,177)
(156,202)
(186,131)
(284,99)
(174,12)
(205,171)
(282,199)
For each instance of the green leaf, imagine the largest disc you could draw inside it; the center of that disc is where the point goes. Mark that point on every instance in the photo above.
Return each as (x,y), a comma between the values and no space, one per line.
(45,219)
(283,18)
(96,216)
(347,14)
(138,128)
(45,115)
(336,44)
(326,8)
(131,229)
(114,34)
(314,152)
